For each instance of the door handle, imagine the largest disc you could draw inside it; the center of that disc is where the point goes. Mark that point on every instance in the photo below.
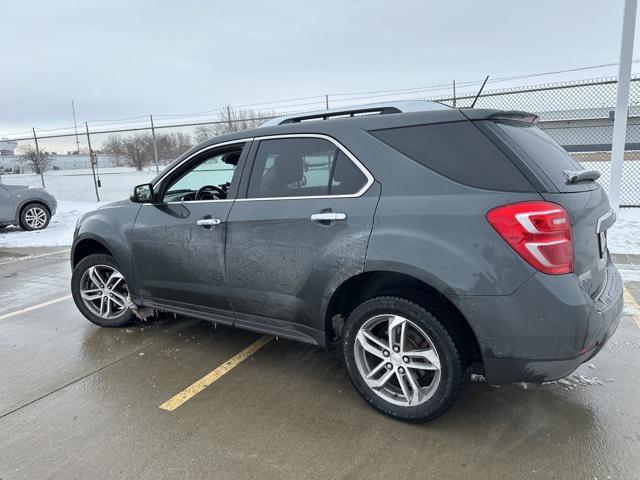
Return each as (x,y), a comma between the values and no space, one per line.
(208,222)
(328,217)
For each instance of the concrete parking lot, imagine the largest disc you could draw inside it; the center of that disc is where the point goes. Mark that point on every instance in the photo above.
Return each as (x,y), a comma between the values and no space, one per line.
(78,402)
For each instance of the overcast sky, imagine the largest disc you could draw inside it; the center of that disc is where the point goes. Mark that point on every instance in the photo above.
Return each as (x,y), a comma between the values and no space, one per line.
(120,59)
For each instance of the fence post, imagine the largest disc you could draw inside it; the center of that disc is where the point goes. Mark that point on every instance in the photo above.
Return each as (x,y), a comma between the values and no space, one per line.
(40,166)
(155,147)
(326,100)
(622,102)
(93,167)
(454,94)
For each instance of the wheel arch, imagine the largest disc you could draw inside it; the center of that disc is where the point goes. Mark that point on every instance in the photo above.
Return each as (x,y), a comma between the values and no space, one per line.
(85,247)
(366,285)
(27,202)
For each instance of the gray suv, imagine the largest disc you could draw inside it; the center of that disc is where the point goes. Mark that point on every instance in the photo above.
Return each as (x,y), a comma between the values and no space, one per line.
(429,244)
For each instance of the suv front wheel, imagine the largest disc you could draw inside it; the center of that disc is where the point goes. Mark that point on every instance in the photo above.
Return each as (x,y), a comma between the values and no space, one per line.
(100,291)
(402,360)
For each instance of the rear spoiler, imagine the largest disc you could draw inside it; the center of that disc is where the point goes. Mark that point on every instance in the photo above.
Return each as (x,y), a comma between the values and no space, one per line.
(515,116)
(498,115)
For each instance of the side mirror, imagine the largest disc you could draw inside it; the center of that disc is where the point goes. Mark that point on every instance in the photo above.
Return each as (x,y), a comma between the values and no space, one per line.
(142,193)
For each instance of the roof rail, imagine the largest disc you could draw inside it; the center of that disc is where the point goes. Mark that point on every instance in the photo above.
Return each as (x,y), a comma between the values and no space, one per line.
(368,109)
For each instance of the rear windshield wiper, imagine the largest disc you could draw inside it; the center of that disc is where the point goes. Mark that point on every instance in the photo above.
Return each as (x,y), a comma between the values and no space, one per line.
(575,176)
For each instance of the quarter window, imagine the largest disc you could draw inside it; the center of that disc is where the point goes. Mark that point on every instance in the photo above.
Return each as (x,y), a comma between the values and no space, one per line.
(459,151)
(302,167)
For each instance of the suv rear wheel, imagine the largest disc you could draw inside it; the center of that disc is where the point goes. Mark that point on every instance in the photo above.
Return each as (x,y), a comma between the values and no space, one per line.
(402,360)
(100,291)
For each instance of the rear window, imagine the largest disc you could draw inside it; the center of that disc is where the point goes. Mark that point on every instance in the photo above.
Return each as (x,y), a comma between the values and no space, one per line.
(547,155)
(460,152)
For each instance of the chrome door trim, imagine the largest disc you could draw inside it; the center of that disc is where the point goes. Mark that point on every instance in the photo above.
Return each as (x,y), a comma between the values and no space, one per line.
(210,147)
(341,147)
(191,202)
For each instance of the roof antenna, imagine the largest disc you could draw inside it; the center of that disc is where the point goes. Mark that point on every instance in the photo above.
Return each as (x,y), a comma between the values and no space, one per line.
(479,91)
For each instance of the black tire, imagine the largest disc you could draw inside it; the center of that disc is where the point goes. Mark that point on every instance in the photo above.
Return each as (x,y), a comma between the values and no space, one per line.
(455,370)
(126,318)
(28,225)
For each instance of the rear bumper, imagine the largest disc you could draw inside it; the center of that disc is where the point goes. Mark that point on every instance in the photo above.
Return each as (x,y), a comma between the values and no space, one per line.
(545,329)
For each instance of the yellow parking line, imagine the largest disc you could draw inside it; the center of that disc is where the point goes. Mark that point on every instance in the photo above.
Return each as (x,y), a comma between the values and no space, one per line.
(177,400)
(631,306)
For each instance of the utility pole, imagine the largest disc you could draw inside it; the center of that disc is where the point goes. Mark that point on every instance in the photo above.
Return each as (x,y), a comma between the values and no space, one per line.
(93,167)
(40,166)
(75,125)
(622,102)
(155,147)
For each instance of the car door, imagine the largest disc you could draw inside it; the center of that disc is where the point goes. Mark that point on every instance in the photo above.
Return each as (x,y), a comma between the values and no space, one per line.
(178,240)
(7,206)
(302,228)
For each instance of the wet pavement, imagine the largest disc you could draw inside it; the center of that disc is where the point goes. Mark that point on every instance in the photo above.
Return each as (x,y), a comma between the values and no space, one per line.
(78,401)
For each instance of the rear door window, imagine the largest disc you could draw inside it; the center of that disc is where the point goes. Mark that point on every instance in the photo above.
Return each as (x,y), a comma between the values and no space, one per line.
(302,167)
(460,152)
(547,155)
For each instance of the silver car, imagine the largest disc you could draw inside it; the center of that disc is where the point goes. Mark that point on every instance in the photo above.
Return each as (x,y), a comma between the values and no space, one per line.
(29,207)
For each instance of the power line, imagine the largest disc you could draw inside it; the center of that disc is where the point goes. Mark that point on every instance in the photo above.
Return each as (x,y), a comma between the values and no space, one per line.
(319,100)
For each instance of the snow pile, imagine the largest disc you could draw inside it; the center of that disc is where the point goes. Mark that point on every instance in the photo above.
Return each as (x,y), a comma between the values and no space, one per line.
(624,236)
(58,233)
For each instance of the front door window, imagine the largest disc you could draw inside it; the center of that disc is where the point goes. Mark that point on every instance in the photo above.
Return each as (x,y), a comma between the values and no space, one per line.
(209,179)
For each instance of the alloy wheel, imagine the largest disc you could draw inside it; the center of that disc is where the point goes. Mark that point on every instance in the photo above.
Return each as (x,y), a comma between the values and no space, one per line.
(35,217)
(104,291)
(397,360)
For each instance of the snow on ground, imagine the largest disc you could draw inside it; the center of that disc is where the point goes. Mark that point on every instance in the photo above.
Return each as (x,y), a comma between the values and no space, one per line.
(58,233)
(624,236)
(77,185)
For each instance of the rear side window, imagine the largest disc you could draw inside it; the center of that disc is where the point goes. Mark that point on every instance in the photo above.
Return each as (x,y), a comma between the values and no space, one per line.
(460,152)
(550,157)
(302,167)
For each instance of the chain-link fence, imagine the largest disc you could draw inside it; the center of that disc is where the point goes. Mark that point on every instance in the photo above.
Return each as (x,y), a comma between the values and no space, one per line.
(578,115)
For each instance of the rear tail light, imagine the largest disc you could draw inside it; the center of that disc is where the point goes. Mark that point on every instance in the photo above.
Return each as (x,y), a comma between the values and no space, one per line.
(540,232)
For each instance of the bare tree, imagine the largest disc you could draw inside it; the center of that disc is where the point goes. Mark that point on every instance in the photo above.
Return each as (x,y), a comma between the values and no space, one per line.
(172,145)
(138,150)
(37,162)
(115,147)
(230,120)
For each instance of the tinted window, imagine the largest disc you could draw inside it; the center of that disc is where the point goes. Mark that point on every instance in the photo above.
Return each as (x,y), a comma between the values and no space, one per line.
(295,167)
(347,177)
(550,157)
(459,151)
